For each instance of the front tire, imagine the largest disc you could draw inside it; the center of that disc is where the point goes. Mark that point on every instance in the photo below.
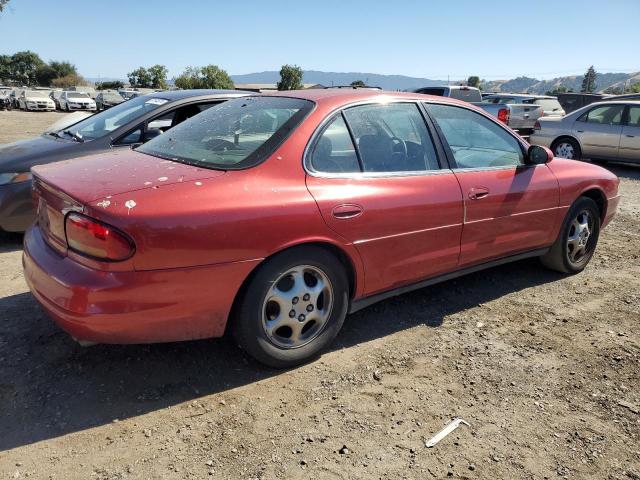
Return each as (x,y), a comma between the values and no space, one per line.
(292,308)
(567,148)
(577,240)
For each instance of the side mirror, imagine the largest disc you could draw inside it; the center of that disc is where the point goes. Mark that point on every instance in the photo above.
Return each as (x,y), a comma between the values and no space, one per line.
(538,155)
(151,133)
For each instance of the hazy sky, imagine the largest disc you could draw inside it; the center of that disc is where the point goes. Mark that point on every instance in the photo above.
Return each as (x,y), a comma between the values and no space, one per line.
(495,40)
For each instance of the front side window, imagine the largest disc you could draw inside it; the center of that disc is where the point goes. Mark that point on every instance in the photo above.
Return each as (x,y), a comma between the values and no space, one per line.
(236,134)
(474,140)
(606,115)
(392,138)
(334,152)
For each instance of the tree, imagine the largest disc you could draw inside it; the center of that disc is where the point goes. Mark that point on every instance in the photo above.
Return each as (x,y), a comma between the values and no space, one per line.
(68,81)
(214,77)
(140,78)
(589,81)
(115,85)
(23,67)
(63,69)
(3,3)
(473,81)
(158,74)
(635,88)
(5,68)
(290,78)
(189,79)
(358,83)
(210,76)
(45,74)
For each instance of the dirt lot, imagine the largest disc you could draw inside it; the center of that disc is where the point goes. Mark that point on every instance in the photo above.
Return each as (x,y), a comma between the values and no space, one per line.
(544,367)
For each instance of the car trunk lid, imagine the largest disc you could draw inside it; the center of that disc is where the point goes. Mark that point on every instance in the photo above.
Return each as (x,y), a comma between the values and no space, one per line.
(71,185)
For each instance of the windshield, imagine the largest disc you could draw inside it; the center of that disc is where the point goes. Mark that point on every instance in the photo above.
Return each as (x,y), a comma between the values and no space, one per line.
(103,123)
(236,134)
(112,96)
(77,95)
(36,93)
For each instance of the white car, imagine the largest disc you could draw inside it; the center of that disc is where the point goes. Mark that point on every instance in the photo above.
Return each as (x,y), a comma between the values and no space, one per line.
(76,101)
(35,100)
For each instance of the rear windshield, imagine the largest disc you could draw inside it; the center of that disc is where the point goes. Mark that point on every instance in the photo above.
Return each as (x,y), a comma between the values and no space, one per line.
(466,94)
(549,104)
(236,134)
(432,91)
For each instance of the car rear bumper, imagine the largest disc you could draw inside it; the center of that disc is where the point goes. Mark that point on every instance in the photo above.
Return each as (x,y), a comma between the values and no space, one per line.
(131,307)
(16,207)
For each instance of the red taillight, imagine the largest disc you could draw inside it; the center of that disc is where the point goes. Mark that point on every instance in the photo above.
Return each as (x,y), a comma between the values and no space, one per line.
(503,115)
(536,126)
(96,239)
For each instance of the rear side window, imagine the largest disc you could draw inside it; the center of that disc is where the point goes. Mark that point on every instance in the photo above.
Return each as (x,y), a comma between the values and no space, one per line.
(606,115)
(392,138)
(474,140)
(334,151)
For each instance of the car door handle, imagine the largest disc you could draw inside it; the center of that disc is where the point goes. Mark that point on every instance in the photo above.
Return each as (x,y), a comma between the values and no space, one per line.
(477,193)
(630,136)
(580,131)
(347,210)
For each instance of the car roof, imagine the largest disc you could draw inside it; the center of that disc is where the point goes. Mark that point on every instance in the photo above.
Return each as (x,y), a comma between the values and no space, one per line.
(344,96)
(180,94)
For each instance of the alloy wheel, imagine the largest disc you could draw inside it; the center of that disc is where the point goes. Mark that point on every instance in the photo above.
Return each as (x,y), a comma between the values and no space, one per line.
(580,230)
(297,307)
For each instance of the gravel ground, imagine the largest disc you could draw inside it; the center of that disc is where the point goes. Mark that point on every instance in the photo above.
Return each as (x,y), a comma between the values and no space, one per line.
(544,367)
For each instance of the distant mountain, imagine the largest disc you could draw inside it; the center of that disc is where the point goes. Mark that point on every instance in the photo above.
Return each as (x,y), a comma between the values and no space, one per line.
(386,82)
(574,83)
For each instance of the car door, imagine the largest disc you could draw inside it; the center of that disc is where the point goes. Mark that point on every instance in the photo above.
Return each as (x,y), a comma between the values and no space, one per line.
(375,175)
(598,131)
(630,136)
(510,207)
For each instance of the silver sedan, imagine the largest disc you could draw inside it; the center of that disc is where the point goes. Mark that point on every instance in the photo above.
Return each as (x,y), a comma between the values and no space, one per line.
(605,130)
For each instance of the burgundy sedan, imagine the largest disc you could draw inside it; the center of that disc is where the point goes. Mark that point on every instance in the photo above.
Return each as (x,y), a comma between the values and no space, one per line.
(274,216)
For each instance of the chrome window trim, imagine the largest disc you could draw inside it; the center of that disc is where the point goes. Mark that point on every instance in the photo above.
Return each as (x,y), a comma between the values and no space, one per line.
(501,167)
(306,160)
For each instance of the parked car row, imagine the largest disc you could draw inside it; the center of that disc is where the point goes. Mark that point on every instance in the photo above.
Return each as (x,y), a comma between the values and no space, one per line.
(188,214)
(74,98)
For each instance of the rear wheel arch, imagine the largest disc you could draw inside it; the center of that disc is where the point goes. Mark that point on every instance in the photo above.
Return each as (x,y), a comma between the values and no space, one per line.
(340,254)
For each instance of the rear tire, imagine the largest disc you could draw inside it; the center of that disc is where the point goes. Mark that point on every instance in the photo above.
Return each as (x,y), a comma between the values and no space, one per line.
(576,243)
(292,308)
(566,148)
